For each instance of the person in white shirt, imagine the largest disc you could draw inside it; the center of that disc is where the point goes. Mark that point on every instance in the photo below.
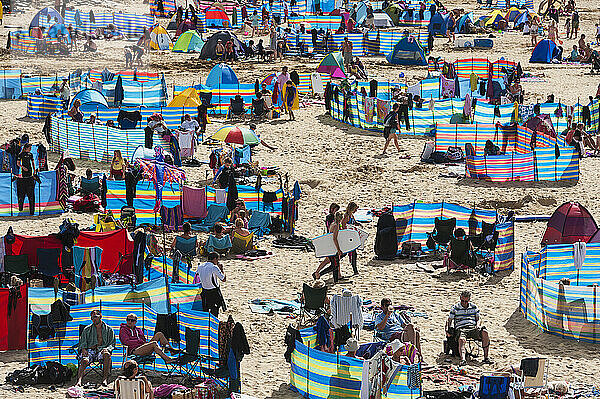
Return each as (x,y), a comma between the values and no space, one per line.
(208,275)
(189,124)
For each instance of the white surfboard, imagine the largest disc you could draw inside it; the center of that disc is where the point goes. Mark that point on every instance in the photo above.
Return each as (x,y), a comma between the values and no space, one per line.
(362,235)
(316,82)
(363,215)
(348,240)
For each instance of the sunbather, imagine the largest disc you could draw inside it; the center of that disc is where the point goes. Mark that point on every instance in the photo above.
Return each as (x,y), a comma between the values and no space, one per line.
(219,242)
(96,343)
(134,339)
(131,370)
(392,326)
(464,320)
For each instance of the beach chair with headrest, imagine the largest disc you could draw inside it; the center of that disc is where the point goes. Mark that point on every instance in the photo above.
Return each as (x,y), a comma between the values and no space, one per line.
(16,264)
(312,304)
(92,367)
(259,109)
(215,213)
(186,362)
(92,185)
(242,244)
(130,388)
(487,239)
(441,234)
(259,223)
(236,108)
(460,256)
(534,376)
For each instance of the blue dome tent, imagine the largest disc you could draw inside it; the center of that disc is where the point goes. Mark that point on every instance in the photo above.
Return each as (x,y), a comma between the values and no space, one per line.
(438,25)
(91,100)
(461,26)
(407,51)
(46,17)
(221,74)
(57,30)
(545,51)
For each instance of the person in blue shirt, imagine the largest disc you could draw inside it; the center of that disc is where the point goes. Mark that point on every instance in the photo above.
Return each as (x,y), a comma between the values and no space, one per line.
(391,326)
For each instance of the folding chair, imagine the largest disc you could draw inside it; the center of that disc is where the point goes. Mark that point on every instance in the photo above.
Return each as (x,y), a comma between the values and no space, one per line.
(259,223)
(533,377)
(494,386)
(312,303)
(460,256)
(16,264)
(487,239)
(259,109)
(441,234)
(88,186)
(190,355)
(130,388)
(95,367)
(236,108)
(139,359)
(48,261)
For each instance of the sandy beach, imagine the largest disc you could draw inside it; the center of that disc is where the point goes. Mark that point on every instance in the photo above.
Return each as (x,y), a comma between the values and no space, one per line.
(337,163)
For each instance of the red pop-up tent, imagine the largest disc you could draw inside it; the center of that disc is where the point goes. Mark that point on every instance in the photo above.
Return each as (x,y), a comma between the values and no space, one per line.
(570,223)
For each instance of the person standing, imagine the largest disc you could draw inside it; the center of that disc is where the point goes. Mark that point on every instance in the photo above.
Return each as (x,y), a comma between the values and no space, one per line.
(535,27)
(290,97)
(349,219)
(255,23)
(26,182)
(208,275)
(347,53)
(390,124)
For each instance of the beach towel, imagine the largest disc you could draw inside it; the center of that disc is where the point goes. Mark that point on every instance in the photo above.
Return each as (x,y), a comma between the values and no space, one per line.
(265,306)
(383,108)
(259,223)
(215,214)
(241,244)
(369,108)
(194,202)
(172,218)
(255,254)
(447,87)
(220,195)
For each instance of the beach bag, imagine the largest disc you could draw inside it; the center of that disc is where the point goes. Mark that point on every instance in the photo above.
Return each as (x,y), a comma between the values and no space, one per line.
(455,154)
(410,248)
(26,376)
(386,239)
(89,203)
(54,373)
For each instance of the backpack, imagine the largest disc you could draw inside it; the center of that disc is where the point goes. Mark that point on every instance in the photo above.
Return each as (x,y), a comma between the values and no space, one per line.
(387,121)
(54,373)
(386,239)
(455,154)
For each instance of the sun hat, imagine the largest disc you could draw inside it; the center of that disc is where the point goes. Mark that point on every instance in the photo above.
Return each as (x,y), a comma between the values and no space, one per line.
(351,345)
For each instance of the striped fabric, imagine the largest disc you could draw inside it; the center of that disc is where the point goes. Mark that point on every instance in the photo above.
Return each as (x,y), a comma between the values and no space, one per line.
(252,199)
(315,374)
(39,106)
(478,66)
(45,196)
(553,109)
(485,113)
(85,26)
(317,21)
(45,83)
(476,134)
(132,24)
(10,84)
(95,75)
(113,314)
(564,310)
(127,24)
(96,142)
(144,200)
(21,41)
(169,6)
(161,266)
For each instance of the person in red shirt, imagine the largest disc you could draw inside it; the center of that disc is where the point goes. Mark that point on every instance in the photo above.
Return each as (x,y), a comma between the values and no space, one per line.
(134,339)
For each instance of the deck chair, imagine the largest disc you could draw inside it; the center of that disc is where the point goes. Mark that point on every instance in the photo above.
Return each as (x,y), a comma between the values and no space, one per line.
(215,213)
(240,244)
(188,360)
(16,264)
(48,261)
(494,387)
(259,223)
(312,304)
(460,256)
(236,108)
(441,234)
(130,388)
(92,185)
(534,375)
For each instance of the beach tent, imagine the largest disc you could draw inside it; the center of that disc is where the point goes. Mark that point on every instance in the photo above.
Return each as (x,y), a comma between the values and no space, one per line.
(382,20)
(172,25)
(570,223)
(184,26)
(187,98)
(189,41)
(438,24)
(394,11)
(512,14)
(221,74)
(45,17)
(361,12)
(59,30)
(209,48)
(522,18)
(463,23)
(160,39)
(91,100)
(544,52)
(407,51)
(333,64)
(216,18)
(495,19)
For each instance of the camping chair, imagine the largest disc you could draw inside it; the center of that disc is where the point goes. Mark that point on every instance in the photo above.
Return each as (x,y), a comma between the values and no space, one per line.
(126,124)
(494,386)
(215,213)
(139,359)
(533,377)
(259,223)
(312,303)
(259,109)
(16,264)
(242,244)
(188,360)
(441,234)
(48,261)
(473,347)
(236,108)
(487,239)
(460,256)
(88,186)
(130,388)
(92,367)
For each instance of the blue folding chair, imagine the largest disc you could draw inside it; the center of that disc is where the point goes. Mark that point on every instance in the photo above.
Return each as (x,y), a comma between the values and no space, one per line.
(259,223)
(493,387)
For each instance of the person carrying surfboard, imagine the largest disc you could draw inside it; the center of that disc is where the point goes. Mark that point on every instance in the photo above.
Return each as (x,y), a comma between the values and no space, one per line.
(329,219)
(349,219)
(334,260)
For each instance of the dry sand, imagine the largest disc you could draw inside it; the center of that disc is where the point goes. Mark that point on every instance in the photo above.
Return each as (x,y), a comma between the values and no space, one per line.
(334,162)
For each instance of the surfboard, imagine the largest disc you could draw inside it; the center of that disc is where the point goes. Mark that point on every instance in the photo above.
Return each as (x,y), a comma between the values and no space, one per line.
(363,215)
(362,235)
(348,240)
(316,82)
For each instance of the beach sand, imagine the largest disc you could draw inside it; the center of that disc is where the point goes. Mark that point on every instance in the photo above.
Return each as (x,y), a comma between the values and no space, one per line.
(337,163)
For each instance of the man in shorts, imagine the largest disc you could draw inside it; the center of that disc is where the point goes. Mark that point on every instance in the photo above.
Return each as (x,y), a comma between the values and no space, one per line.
(394,325)
(464,318)
(96,344)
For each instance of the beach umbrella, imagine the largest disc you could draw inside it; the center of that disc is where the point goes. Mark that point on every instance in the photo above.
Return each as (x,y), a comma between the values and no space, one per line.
(236,135)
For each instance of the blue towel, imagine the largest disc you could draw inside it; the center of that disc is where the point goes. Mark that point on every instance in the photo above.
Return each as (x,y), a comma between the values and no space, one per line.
(259,222)
(215,214)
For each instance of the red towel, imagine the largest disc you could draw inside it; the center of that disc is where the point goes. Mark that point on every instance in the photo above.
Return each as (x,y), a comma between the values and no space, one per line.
(194,202)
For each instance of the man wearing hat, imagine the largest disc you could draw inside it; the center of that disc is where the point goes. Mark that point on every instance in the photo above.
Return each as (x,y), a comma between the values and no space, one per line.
(352,346)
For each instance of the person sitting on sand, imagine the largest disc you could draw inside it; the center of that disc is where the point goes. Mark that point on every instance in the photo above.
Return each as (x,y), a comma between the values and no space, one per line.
(403,353)
(574,56)
(464,321)
(96,343)
(90,46)
(391,326)
(75,113)
(352,346)
(133,338)
(131,370)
